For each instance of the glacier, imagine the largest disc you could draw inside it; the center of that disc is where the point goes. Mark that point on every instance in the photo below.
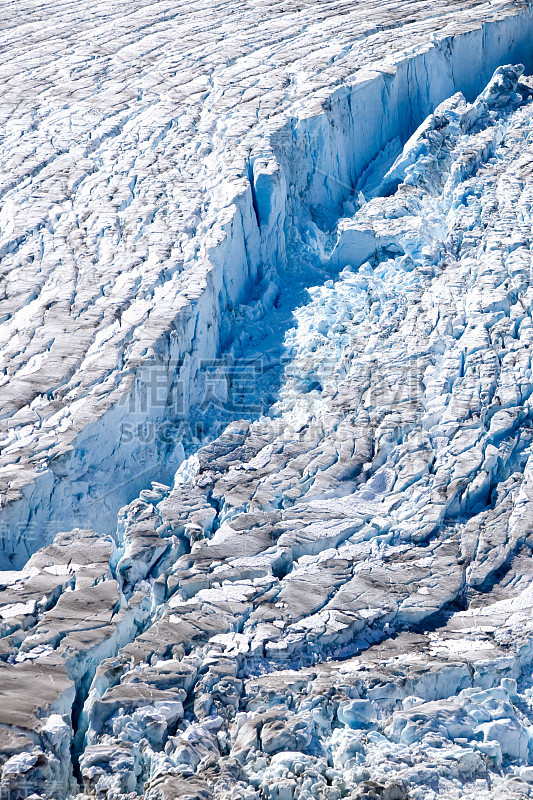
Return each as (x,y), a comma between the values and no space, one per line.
(266,470)
(136,248)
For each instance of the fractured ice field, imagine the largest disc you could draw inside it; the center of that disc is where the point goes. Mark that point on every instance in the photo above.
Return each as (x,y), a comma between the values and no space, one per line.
(266,471)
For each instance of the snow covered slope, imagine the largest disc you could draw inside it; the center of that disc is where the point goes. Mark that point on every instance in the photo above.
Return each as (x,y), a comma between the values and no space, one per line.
(309,320)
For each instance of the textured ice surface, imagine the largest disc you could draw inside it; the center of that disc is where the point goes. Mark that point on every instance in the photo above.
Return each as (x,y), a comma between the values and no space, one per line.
(139,152)
(332,596)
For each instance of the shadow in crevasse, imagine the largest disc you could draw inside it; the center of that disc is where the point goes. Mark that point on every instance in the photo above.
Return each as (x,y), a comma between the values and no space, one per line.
(244,382)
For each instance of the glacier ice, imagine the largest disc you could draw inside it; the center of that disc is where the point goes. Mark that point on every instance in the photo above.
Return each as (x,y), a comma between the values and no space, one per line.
(326,593)
(134,247)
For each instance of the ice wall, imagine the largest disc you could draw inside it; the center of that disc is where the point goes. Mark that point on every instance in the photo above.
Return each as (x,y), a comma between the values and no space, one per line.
(115,457)
(323,155)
